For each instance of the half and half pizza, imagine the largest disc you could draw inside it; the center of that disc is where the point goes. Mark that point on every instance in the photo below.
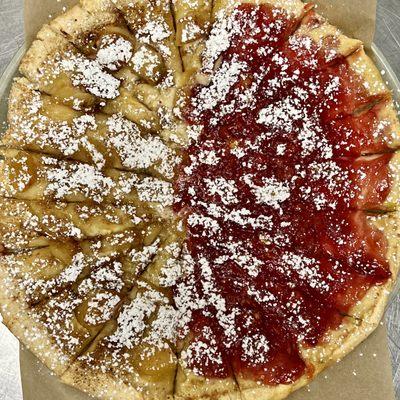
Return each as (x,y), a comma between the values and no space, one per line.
(199,199)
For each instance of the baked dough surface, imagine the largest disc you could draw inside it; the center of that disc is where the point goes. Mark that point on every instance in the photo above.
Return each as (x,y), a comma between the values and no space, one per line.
(89,239)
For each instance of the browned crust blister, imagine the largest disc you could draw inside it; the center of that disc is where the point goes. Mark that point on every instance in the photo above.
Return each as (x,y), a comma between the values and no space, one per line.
(153,107)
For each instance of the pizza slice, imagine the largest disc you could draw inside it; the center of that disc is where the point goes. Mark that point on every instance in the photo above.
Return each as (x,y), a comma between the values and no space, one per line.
(132,355)
(135,353)
(59,328)
(355,326)
(32,224)
(58,298)
(78,81)
(38,123)
(55,67)
(29,176)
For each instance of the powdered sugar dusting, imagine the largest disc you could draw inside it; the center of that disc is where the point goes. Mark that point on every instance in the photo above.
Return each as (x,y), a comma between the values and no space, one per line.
(264,251)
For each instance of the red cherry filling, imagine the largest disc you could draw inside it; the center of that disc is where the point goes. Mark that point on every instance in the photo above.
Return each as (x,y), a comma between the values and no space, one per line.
(277,251)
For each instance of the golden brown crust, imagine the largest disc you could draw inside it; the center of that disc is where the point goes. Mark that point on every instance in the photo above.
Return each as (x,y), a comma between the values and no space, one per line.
(78,22)
(295,8)
(364,67)
(389,123)
(16,102)
(99,385)
(191,386)
(47,44)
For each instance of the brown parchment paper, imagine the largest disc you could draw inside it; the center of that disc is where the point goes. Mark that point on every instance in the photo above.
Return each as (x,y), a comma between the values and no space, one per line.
(355,17)
(365,374)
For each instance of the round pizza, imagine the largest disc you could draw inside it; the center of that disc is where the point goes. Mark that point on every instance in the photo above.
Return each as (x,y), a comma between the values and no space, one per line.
(199,199)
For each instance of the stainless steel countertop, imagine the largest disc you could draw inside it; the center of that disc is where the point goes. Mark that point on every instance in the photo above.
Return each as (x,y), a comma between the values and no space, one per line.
(11,39)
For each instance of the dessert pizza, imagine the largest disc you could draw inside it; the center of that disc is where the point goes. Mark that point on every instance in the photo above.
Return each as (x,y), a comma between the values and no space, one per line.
(199,199)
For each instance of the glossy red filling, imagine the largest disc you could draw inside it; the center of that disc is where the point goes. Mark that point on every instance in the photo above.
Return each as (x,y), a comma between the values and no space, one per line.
(272,192)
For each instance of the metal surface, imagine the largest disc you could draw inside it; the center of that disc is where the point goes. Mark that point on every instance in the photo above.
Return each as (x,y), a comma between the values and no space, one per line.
(11,39)
(388,40)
